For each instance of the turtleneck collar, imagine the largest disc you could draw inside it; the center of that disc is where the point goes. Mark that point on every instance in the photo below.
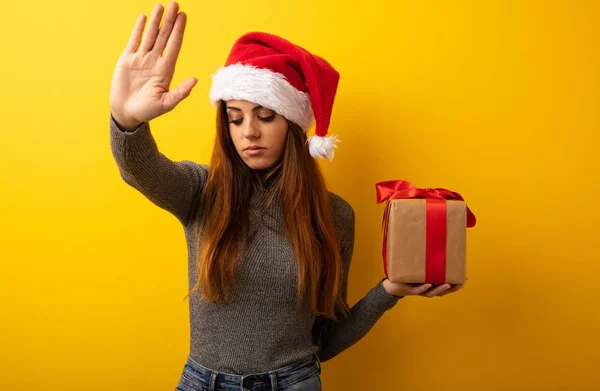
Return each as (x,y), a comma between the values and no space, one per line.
(259,198)
(262,174)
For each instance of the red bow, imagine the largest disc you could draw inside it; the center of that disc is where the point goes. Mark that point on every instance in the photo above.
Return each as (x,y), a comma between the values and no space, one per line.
(435,272)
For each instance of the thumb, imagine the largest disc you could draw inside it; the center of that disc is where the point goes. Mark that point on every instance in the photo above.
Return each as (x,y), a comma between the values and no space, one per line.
(181,92)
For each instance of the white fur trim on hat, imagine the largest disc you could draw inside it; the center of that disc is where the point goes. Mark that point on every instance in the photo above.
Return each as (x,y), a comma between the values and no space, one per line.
(264,87)
(322,146)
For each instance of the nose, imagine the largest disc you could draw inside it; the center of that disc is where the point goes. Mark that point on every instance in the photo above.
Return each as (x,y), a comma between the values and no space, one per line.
(251,129)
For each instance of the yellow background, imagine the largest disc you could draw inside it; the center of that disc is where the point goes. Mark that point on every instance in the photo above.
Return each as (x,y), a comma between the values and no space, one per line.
(495,100)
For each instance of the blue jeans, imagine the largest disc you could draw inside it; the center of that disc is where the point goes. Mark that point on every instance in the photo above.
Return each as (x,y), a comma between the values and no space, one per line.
(304,375)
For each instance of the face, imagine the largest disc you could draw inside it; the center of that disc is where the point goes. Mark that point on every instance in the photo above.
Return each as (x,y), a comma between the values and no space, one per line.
(251,124)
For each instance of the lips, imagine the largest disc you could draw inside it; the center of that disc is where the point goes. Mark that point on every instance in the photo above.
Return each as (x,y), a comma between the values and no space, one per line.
(254,148)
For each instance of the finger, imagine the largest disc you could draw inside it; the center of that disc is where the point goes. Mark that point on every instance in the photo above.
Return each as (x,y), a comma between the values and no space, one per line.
(152,30)
(182,91)
(436,291)
(165,29)
(420,289)
(136,34)
(453,289)
(175,41)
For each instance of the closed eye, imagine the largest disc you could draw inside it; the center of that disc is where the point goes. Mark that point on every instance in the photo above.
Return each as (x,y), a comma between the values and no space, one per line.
(267,119)
(264,119)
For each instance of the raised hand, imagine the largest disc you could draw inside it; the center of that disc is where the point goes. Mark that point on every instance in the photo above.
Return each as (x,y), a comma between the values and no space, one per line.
(140,85)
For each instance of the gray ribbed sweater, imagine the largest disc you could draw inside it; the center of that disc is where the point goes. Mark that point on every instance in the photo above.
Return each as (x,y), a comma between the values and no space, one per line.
(260,329)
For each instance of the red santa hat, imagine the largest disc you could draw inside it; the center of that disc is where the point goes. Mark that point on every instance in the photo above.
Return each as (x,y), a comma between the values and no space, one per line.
(275,73)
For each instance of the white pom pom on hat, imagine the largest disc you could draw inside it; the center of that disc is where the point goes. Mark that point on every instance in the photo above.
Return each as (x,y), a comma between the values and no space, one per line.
(271,71)
(322,146)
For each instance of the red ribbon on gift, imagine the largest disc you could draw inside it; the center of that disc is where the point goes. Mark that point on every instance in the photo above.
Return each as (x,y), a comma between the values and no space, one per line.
(435,266)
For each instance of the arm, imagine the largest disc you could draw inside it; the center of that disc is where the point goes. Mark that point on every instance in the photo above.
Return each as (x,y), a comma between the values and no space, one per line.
(173,186)
(332,336)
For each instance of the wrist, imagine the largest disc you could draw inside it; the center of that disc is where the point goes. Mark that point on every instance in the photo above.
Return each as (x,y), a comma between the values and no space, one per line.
(386,285)
(124,123)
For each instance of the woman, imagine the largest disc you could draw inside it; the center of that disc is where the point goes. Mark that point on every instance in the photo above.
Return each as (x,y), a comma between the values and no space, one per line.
(269,247)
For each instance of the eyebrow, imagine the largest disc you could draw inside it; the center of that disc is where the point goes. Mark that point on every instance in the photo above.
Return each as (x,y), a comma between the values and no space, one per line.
(238,109)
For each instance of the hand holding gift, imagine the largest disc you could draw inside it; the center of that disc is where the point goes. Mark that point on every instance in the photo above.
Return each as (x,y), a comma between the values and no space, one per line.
(402,289)
(424,239)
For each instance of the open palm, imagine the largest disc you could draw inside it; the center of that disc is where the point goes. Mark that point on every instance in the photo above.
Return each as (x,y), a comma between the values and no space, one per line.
(142,77)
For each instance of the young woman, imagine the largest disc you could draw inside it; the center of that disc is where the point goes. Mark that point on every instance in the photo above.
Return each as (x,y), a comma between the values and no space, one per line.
(269,246)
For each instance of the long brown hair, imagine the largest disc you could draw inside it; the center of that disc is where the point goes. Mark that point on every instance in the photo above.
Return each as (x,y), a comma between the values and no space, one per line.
(296,182)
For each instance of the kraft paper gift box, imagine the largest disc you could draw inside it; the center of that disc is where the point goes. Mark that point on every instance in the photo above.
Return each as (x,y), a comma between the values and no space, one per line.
(424,233)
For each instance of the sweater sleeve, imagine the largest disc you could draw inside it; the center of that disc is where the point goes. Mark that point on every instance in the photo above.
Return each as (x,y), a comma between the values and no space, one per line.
(332,336)
(172,186)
